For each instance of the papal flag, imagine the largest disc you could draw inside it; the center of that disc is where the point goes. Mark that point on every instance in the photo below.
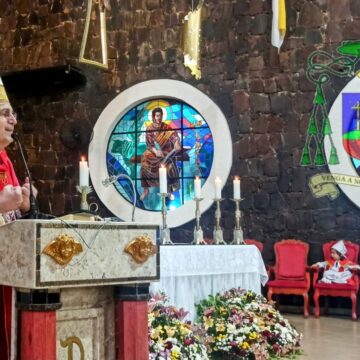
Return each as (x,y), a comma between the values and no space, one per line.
(278,23)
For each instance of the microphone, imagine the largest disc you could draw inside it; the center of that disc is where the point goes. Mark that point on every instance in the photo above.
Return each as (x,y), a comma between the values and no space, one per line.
(33,212)
(113,178)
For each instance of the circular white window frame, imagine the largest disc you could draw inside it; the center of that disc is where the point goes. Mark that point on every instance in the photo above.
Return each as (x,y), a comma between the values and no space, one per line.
(118,107)
(345,166)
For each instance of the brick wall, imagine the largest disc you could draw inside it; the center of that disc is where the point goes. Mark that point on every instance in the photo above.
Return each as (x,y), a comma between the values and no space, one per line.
(264,95)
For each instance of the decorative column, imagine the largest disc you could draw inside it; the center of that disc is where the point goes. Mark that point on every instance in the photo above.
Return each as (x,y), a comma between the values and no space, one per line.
(131,322)
(38,323)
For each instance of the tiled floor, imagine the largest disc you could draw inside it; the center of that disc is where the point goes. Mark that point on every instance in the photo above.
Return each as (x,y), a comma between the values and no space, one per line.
(328,338)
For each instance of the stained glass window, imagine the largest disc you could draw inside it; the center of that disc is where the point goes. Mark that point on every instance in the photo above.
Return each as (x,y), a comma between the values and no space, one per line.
(138,146)
(351,127)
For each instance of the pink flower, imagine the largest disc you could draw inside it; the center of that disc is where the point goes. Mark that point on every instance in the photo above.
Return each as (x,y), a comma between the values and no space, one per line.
(188,342)
(209,311)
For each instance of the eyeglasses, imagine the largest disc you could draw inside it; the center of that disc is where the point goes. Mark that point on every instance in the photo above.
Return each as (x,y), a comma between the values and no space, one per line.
(8,113)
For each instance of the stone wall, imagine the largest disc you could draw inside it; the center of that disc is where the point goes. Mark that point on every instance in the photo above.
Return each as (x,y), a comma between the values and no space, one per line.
(265,96)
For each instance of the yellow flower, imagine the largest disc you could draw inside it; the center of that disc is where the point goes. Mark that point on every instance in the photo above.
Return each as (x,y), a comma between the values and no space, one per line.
(184,329)
(245,345)
(223,311)
(151,318)
(175,354)
(253,336)
(220,327)
(208,322)
(220,337)
(156,333)
(170,331)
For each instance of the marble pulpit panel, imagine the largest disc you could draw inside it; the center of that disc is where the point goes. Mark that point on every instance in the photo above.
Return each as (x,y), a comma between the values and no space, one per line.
(87,316)
(85,330)
(18,253)
(102,260)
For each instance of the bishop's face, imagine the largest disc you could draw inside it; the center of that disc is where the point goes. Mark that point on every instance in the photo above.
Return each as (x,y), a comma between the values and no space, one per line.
(7,124)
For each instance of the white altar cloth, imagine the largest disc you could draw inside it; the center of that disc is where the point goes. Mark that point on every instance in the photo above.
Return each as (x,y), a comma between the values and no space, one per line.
(189,273)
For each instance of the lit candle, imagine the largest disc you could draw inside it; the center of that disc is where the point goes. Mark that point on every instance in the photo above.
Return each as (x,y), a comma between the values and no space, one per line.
(236,186)
(84,173)
(163,179)
(197,187)
(217,188)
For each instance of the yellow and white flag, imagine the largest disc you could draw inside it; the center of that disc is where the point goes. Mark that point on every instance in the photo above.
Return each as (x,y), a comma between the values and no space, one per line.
(278,23)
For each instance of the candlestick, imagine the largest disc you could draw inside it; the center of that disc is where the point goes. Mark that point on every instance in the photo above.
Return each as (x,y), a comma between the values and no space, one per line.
(238,233)
(163,179)
(197,187)
(236,187)
(198,233)
(83,173)
(218,233)
(165,231)
(217,188)
(84,190)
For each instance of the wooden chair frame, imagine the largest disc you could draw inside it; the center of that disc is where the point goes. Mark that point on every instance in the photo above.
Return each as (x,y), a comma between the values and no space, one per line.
(291,290)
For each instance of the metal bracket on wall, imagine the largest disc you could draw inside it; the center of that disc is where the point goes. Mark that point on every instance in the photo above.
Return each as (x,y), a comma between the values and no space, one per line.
(103,5)
(44,80)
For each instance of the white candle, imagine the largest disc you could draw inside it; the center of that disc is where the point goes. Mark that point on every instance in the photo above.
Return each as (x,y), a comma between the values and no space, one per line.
(84,173)
(197,187)
(163,179)
(217,188)
(236,186)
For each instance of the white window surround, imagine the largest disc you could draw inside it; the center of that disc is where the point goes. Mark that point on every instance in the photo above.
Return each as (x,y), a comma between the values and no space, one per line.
(118,107)
(345,166)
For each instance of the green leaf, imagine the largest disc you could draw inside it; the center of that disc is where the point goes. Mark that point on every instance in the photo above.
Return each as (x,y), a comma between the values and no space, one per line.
(319,96)
(305,157)
(334,160)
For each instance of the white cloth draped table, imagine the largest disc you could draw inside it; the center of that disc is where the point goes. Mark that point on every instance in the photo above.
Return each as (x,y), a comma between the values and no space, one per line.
(189,273)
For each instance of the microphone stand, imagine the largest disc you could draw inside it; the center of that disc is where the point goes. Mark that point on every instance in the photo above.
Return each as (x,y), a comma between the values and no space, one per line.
(113,178)
(33,212)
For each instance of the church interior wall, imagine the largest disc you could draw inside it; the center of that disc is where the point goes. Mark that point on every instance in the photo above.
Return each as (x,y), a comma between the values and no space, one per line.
(264,95)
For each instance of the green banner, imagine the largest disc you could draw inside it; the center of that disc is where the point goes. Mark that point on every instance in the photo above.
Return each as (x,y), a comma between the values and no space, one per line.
(325,184)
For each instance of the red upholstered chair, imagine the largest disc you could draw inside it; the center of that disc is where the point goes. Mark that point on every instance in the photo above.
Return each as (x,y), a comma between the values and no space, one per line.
(291,272)
(344,290)
(257,243)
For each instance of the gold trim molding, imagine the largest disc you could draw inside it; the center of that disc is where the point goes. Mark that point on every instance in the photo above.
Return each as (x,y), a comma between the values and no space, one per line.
(63,249)
(141,248)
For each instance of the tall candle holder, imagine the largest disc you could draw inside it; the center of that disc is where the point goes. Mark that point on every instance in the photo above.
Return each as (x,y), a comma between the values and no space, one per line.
(165,231)
(84,191)
(238,233)
(198,233)
(218,233)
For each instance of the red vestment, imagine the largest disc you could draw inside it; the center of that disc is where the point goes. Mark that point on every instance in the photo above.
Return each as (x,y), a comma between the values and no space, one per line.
(7,177)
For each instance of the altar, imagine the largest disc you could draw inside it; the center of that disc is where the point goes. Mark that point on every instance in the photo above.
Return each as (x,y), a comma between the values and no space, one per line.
(190,273)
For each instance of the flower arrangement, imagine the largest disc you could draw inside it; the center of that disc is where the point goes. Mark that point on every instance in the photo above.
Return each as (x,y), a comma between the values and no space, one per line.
(239,324)
(170,337)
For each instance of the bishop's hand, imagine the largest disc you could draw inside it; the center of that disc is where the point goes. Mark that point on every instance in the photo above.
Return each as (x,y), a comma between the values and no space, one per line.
(11,198)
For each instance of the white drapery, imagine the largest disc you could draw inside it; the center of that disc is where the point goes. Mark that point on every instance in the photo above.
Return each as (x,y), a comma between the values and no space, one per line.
(190,273)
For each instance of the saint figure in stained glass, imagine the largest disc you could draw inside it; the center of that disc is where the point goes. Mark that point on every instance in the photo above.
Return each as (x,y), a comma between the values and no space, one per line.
(162,146)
